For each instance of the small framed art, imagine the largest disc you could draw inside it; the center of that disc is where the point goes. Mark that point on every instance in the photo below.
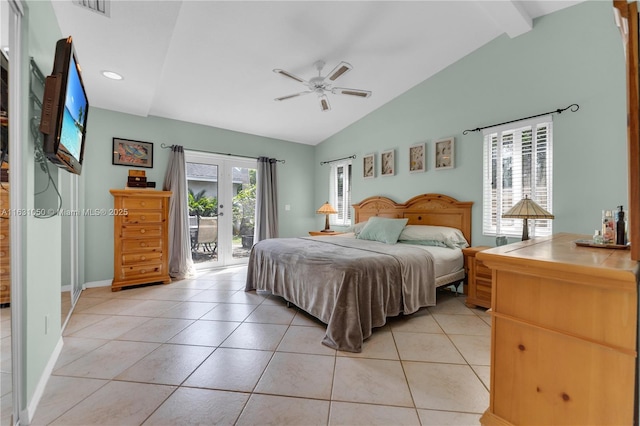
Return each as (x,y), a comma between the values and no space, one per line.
(388,162)
(444,153)
(132,153)
(369,166)
(416,158)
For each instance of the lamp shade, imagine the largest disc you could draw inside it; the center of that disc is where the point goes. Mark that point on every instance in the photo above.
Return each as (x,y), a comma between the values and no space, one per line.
(326,208)
(527,209)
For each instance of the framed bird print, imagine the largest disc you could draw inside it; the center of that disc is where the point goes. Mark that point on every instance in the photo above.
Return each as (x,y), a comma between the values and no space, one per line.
(369,166)
(132,153)
(388,163)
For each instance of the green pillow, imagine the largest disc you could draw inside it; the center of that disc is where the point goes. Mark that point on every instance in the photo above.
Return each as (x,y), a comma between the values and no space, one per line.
(382,229)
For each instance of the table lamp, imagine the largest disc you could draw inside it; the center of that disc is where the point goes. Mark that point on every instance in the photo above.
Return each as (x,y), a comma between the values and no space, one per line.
(326,209)
(527,209)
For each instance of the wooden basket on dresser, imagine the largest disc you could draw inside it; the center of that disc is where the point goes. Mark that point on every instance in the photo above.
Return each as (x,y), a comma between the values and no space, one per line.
(140,237)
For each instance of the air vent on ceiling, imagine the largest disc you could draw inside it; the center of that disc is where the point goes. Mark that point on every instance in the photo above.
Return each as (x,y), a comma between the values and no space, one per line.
(102,7)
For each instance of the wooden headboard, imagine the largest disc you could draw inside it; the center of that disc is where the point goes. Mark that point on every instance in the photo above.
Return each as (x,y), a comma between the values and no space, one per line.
(425,209)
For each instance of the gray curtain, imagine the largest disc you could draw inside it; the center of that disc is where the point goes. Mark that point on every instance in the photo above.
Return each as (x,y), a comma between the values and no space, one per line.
(175,180)
(266,200)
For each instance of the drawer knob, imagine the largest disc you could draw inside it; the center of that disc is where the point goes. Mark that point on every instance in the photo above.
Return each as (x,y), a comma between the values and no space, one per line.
(565,397)
(142,231)
(143,271)
(143,258)
(143,203)
(521,347)
(143,244)
(143,217)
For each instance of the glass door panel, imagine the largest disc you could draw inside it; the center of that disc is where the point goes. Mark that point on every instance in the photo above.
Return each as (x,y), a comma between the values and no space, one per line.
(221,208)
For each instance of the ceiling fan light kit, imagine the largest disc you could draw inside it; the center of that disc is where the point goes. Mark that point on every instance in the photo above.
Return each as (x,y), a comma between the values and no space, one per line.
(321,85)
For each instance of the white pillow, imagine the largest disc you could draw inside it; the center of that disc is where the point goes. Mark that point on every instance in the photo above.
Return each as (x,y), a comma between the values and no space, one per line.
(451,237)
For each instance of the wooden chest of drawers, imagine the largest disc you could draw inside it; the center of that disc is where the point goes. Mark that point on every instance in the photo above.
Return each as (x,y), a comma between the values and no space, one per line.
(564,324)
(141,245)
(478,278)
(5,260)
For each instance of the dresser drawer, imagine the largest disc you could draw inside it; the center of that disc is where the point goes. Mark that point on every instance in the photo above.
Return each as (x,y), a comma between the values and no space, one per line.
(550,378)
(139,245)
(135,231)
(561,304)
(150,216)
(4,199)
(134,258)
(482,271)
(143,270)
(140,203)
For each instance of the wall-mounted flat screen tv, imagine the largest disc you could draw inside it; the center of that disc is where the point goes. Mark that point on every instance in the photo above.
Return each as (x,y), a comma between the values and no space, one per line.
(65,108)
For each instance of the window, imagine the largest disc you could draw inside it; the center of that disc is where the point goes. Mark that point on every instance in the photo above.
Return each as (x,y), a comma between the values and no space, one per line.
(340,193)
(517,161)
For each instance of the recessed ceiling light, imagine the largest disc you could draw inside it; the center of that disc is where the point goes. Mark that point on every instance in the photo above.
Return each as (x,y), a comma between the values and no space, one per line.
(112,75)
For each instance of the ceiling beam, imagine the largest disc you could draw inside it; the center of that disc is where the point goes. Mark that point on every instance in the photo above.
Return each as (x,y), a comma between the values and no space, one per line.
(509,16)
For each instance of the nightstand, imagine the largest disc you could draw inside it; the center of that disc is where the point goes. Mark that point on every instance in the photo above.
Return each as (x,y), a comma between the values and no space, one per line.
(320,233)
(478,278)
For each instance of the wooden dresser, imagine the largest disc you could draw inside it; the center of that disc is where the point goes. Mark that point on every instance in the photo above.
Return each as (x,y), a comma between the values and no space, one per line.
(478,278)
(563,342)
(5,259)
(140,233)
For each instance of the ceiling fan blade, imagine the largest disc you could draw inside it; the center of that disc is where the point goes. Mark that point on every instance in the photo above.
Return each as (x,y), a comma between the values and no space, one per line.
(324,103)
(288,74)
(341,69)
(284,98)
(352,92)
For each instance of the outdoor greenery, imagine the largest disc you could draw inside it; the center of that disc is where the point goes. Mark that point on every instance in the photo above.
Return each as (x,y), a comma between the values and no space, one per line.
(244,207)
(200,205)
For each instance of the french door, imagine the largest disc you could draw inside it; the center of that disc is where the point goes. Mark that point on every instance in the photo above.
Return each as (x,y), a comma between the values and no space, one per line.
(222,196)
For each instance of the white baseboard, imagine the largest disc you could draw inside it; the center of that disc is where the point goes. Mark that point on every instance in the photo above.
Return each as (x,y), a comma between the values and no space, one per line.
(42,384)
(92,284)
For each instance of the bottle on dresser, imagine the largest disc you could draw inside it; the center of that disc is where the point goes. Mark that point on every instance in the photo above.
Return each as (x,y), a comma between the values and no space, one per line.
(608,227)
(621,227)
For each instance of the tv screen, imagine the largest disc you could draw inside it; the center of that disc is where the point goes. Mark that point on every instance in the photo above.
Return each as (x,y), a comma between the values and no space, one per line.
(65,110)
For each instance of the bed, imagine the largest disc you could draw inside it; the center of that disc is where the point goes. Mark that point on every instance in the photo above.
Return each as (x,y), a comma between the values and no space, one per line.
(354,284)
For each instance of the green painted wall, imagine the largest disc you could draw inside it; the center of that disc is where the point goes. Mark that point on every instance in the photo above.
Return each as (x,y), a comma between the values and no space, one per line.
(42,269)
(572,56)
(295,183)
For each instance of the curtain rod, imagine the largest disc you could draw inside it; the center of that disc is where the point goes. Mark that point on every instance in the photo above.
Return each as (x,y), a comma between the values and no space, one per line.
(163,145)
(322,163)
(558,111)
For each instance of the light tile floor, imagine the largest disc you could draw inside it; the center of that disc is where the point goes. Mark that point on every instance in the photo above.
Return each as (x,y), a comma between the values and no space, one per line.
(203,351)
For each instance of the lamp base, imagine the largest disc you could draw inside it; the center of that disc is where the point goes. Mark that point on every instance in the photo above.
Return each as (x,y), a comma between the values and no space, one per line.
(525,230)
(326,224)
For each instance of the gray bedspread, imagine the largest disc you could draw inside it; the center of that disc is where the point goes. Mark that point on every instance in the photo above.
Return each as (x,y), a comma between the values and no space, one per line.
(349,284)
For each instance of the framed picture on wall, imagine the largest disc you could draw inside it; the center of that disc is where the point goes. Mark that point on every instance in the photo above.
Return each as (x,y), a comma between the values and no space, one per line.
(388,162)
(132,153)
(369,166)
(417,160)
(443,153)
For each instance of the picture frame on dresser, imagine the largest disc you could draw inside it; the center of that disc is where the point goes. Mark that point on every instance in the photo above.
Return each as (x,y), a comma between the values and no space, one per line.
(417,158)
(127,152)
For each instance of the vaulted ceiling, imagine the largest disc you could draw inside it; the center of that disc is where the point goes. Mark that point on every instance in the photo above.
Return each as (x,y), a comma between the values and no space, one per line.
(212,62)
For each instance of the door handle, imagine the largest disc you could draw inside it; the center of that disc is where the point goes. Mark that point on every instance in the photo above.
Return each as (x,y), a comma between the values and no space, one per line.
(220,214)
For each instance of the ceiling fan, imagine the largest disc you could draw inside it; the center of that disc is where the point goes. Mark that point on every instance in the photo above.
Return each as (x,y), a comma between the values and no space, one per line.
(321,85)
